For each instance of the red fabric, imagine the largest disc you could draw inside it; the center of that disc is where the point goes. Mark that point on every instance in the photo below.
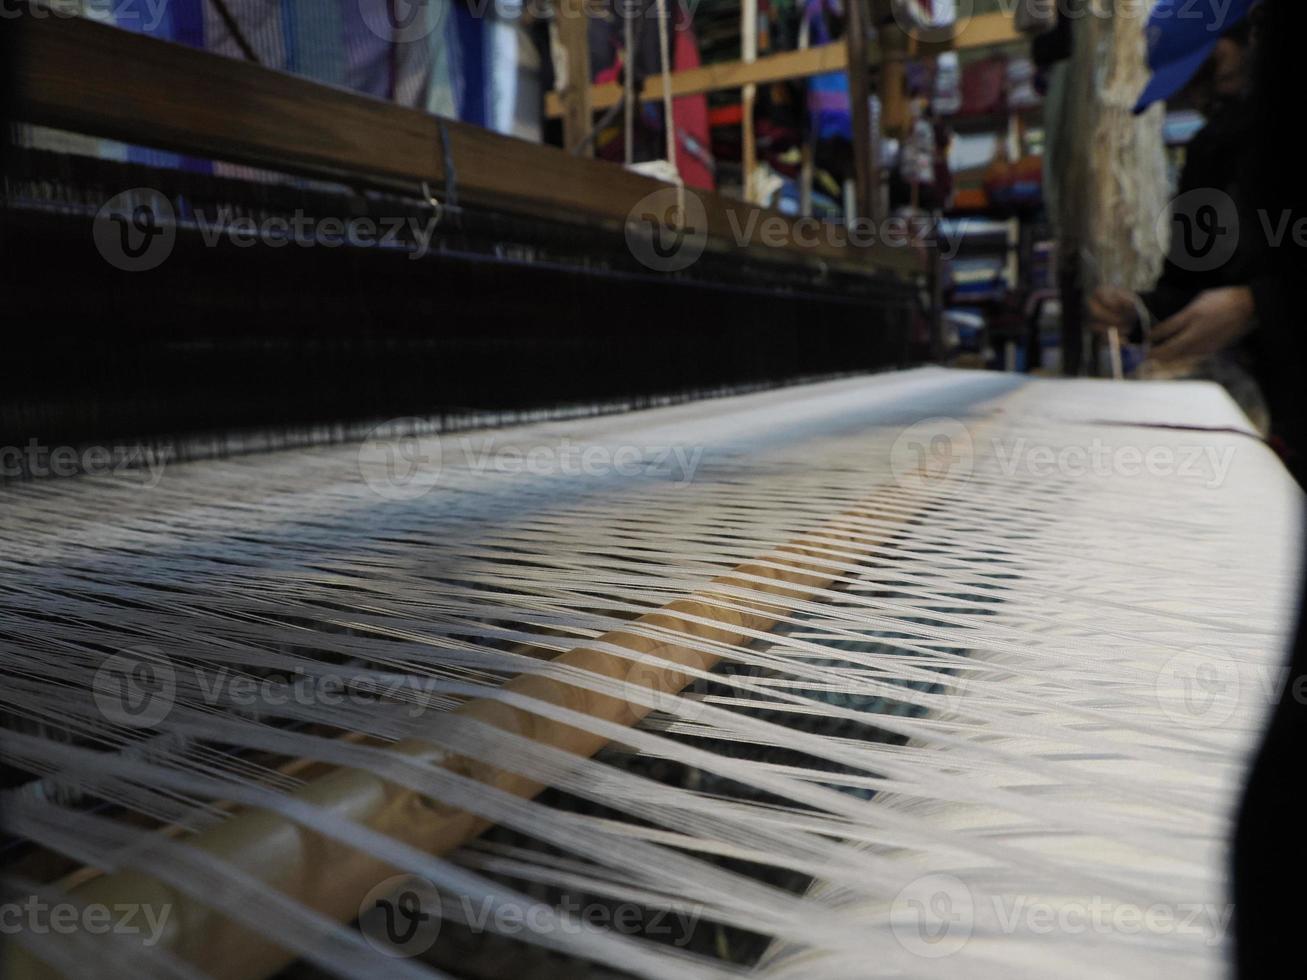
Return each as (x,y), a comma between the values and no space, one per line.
(727,115)
(693,134)
(983,86)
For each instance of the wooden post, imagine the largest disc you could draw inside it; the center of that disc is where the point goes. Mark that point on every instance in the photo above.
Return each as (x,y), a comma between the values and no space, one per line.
(895,112)
(809,151)
(864,157)
(749,94)
(573,35)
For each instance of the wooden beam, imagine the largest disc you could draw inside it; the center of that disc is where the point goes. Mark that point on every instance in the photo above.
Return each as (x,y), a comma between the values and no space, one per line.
(725,75)
(864,154)
(86,77)
(894,109)
(748,96)
(574,38)
(981,31)
(984,30)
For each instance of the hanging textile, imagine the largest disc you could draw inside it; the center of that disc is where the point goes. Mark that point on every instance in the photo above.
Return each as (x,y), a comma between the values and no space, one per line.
(828,94)
(693,134)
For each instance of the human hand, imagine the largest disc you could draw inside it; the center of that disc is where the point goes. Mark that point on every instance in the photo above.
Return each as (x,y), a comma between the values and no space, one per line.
(1111,307)
(1215,320)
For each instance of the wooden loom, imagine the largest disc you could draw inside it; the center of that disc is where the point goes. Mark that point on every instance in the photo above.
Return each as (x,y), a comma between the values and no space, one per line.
(515,219)
(1029,739)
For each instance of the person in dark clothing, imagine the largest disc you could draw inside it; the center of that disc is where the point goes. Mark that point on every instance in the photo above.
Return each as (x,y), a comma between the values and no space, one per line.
(1213,291)
(1199,309)
(1270,845)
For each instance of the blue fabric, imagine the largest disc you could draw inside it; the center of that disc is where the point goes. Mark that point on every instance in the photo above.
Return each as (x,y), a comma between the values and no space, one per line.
(828,94)
(471,70)
(1181,35)
(368,62)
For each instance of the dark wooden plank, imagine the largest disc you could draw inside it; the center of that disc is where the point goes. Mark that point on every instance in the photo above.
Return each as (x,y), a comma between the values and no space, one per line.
(91,78)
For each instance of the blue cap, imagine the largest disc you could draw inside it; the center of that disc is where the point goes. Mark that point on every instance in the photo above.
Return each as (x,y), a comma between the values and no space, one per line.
(1181,36)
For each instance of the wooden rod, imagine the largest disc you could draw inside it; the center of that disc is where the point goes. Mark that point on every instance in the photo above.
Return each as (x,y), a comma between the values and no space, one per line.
(723,75)
(748,98)
(332,878)
(574,37)
(864,169)
(894,110)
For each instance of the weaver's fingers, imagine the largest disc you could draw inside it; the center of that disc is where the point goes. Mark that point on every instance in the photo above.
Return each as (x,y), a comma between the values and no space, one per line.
(1172,329)
(1110,308)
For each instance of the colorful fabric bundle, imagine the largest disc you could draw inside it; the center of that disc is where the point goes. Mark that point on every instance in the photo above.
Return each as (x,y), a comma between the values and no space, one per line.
(828,95)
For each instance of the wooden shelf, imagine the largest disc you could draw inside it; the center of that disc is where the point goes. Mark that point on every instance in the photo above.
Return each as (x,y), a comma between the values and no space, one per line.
(984,30)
